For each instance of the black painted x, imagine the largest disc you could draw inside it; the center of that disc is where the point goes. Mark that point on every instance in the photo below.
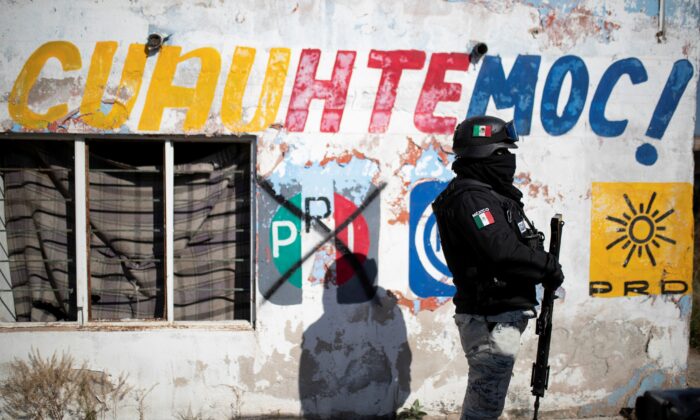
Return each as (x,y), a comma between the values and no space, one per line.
(331,234)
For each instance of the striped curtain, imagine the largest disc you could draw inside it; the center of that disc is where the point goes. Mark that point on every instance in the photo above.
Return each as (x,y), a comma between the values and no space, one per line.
(126,232)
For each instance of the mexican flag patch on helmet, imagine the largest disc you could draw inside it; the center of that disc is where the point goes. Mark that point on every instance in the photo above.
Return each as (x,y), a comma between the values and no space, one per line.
(482,131)
(483,218)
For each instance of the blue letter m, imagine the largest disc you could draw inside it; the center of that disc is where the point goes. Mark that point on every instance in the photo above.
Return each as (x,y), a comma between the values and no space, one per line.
(518,90)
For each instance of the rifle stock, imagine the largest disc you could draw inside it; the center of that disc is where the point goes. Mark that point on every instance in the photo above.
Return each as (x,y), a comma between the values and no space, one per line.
(540,369)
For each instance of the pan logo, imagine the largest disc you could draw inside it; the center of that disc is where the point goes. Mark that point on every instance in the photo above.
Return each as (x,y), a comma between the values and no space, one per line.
(429,275)
(641,239)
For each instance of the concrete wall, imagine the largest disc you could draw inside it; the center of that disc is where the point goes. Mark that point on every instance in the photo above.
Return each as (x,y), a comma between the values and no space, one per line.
(353,104)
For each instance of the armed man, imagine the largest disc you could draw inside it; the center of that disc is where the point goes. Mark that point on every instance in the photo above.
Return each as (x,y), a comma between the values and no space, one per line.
(496,257)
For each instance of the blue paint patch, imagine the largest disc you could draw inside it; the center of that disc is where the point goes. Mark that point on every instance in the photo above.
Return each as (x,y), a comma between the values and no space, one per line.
(683,13)
(519,180)
(430,166)
(646,154)
(685,304)
(617,395)
(644,379)
(290,174)
(648,7)
(562,9)
(106,108)
(16,127)
(653,381)
(318,269)
(354,177)
(559,6)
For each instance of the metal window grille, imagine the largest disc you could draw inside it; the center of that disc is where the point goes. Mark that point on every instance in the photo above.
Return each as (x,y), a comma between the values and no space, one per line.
(37,232)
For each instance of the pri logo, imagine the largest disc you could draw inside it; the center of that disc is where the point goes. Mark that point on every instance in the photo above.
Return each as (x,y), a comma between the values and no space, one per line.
(302,228)
(641,239)
(286,235)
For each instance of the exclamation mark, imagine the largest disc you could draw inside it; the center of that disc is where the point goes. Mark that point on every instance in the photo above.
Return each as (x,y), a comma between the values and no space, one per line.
(681,73)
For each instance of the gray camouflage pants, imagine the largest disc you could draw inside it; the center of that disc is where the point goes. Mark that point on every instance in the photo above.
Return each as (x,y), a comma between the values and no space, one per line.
(491,345)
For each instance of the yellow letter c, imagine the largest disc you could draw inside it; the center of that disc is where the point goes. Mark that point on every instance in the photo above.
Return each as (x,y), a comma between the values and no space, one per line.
(18,104)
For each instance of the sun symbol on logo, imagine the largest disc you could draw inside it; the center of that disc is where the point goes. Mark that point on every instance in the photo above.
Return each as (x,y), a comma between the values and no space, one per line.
(640,229)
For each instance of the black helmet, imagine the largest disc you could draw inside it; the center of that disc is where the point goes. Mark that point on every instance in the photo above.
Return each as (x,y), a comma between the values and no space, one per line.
(479,137)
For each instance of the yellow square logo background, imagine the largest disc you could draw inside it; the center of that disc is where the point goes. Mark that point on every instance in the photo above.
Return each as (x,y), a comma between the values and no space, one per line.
(632,230)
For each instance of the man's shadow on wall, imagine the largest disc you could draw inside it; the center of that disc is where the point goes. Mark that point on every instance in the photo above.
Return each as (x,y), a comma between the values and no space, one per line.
(355,360)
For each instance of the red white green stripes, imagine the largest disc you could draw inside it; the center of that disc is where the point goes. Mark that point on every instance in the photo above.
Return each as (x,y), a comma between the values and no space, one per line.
(483,218)
(481,131)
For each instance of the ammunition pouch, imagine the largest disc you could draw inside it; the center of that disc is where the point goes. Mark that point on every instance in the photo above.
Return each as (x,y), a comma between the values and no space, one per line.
(534,239)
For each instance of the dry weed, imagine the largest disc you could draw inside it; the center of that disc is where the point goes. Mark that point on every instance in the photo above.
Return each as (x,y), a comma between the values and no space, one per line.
(40,388)
(54,388)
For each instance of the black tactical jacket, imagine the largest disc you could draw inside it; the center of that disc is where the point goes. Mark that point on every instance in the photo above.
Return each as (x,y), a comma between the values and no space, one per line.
(490,249)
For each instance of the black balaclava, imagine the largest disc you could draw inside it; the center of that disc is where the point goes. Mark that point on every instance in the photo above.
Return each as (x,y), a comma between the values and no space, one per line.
(496,170)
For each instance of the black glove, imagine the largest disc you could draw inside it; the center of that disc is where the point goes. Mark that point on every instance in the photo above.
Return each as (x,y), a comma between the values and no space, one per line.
(554,276)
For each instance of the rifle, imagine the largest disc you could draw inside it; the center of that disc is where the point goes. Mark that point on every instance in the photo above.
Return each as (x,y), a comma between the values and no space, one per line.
(540,369)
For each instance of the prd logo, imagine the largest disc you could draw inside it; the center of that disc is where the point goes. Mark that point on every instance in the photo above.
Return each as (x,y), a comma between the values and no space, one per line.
(642,229)
(641,239)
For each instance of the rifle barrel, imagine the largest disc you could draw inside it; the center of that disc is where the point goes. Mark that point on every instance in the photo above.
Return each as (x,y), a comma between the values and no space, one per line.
(540,369)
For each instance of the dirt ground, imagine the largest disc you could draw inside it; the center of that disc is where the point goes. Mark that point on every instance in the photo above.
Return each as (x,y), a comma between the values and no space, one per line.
(693,382)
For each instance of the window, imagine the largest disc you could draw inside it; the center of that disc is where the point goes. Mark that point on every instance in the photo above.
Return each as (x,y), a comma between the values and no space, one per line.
(167,230)
(37,232)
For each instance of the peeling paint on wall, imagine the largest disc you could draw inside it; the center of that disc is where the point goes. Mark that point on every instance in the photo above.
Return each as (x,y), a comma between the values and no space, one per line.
(353,104)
